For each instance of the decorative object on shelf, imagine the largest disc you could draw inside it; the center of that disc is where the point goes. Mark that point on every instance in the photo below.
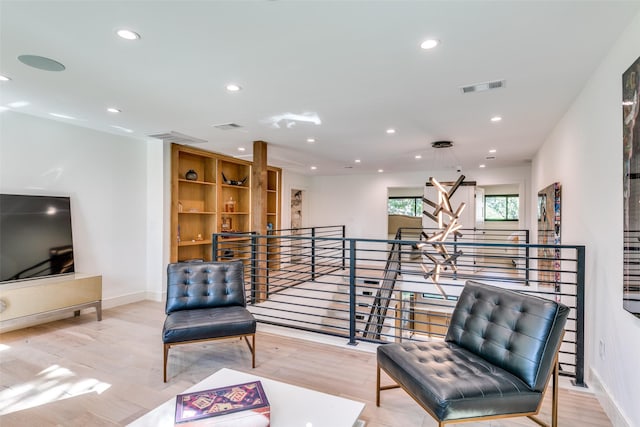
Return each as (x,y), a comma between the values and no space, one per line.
(199,237)
(230,205)
(180,207)
(441,259)
(227,223)
(232,181)
(227,254)
(269,226)
(191,175)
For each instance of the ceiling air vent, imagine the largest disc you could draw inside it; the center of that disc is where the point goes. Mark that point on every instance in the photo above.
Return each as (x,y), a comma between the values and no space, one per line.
(442,144)
(481,87)
(178,138)
(227,126)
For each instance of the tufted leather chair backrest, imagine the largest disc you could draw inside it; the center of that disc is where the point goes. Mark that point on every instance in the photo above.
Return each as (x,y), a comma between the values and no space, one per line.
(193,285)
(517,332)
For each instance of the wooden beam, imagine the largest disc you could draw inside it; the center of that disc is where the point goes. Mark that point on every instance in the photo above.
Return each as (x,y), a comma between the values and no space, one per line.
(259,183)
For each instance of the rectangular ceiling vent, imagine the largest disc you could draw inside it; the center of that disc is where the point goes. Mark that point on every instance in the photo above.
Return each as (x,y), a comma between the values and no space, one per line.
(481,87)
(227,126)
(178,138)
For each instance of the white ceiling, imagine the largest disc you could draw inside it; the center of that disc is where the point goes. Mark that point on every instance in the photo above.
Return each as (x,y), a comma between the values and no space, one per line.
(357,64)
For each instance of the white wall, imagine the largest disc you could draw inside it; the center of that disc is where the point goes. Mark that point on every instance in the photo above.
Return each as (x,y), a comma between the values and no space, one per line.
(111,196)
(360,201)
(584,154)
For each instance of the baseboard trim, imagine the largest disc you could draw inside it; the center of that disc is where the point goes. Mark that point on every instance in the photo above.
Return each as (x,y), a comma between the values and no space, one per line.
(610,407)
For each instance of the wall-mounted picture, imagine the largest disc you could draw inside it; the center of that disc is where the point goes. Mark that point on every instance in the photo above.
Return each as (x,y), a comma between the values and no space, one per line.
(631,187)
(549,234)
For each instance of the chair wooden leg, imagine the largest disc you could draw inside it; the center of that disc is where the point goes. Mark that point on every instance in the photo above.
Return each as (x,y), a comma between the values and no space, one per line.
(554,396)
(378,386)
(166,356)
(252,347)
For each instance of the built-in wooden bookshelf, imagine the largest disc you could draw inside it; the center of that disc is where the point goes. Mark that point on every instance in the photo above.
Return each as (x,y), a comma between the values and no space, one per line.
(211,193)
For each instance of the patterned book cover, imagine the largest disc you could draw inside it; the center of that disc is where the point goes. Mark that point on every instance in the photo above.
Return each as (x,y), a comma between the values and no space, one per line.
(249,397)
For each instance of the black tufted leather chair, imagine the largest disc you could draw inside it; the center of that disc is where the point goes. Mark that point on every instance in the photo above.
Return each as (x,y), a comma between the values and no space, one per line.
(206,301)
(500,351)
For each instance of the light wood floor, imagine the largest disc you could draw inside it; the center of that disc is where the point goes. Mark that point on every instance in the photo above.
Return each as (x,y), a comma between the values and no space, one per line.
(80,372)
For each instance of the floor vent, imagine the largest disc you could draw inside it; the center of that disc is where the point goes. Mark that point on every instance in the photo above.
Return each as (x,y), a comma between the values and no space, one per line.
(481,87)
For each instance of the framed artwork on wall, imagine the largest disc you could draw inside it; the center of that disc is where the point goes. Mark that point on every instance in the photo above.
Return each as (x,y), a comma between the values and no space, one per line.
(549,234)
(631,188)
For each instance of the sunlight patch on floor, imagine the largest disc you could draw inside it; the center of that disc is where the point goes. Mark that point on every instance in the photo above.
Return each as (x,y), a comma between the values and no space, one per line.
(52,384)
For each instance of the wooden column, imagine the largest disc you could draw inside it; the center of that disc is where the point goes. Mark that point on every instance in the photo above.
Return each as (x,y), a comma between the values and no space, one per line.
(259,215)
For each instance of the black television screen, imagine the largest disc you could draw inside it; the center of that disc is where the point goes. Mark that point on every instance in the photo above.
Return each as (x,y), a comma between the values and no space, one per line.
(35,236)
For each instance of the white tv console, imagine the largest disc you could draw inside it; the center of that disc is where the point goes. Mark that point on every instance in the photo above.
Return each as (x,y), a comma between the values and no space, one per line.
(39,300)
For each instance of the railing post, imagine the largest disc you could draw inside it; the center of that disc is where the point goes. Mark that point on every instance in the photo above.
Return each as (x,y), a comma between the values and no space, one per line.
(580,300)
(344,251)
(352,291)
(526,258)
(214,247)
(254,267)
(313,254)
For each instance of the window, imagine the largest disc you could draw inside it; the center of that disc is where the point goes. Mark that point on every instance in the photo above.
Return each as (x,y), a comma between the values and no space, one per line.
(411,206)
(503,207)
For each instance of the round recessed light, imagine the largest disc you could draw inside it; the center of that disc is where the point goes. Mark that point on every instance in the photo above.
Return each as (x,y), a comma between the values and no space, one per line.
(113,110)
(41,63)
(391,131)
(483,166)
(357,160)
(496,119)
(4,78)
(418,156)
(128,34)
(311,140)
(380,170)
(313,168)
(241,149)
(232,87)
(429,44)
(493,150)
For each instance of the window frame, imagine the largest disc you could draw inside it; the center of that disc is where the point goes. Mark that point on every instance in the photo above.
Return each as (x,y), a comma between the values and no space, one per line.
(417,204)
(506,214)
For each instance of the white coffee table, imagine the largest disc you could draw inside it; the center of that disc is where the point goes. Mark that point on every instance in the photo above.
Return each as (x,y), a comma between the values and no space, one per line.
(291,406)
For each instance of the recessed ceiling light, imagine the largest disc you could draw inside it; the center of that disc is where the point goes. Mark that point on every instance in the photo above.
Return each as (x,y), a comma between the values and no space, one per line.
(123,129)
(113,110)
(391,131)
(313,168)
(18,104)
(4,78)
(429,44)
(380,170)
(311,140)
(483,166)
(624,103)
(357,160)
(232,87)
(241,149)
(493,150)
(62,116)
(496,118)
(128,34)
(418,156)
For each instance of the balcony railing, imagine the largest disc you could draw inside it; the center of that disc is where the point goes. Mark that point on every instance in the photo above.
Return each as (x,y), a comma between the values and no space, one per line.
(317,280)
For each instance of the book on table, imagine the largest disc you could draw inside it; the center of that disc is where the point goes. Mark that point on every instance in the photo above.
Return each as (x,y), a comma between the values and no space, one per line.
(236,405)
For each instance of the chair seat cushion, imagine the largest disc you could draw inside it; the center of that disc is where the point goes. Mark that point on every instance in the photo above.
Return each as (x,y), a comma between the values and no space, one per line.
(453,383)
(207,323)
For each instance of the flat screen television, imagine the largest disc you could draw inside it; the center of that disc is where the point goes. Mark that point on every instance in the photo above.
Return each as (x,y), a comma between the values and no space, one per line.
(35,237)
